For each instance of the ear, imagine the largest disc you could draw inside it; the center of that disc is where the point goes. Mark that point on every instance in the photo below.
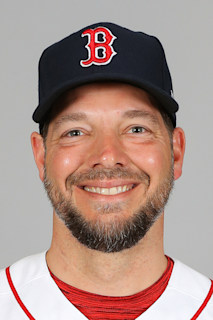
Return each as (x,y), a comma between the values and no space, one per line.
(178,151)
(39,152)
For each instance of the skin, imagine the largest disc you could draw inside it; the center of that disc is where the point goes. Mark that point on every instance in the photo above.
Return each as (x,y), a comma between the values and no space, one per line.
(107,140)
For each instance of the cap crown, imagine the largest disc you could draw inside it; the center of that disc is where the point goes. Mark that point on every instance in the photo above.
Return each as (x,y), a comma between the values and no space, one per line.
(104,52)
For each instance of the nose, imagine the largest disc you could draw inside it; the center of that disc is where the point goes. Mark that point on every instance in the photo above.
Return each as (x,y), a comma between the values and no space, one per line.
(108,152)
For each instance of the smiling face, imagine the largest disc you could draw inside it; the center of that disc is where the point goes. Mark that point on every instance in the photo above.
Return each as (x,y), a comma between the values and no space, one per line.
(108,164)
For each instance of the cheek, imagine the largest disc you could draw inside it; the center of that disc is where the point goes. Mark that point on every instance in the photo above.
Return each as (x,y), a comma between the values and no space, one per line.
(155,161)
(61,163)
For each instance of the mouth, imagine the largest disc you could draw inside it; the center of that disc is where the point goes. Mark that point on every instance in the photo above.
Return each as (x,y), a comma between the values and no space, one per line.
(109,191)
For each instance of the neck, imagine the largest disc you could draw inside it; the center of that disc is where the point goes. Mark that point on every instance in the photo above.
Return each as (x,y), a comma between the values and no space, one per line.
(112,274)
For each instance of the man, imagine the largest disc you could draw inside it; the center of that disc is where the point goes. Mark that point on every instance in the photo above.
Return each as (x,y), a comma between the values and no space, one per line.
(108,153)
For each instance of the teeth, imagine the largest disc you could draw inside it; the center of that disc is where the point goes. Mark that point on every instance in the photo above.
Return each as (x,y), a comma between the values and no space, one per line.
(98,190)
(109,191)
(119,189)
(104,191)
(113,191)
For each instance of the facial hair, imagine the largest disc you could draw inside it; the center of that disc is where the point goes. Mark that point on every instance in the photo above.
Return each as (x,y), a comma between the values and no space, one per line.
(117,234)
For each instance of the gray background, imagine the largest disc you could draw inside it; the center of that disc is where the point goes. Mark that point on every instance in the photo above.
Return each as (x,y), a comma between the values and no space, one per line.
(186,30)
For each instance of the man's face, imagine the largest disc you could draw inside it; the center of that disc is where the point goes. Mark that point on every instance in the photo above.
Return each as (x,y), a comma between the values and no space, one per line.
(108,165)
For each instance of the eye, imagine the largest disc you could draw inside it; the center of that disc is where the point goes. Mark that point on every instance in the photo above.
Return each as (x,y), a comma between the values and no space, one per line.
(137,129)
(74,133)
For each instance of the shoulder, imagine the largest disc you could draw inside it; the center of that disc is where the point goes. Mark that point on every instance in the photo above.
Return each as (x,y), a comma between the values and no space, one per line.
(188,281)
(185,297)
(191,288)
(24,273)
(33,283)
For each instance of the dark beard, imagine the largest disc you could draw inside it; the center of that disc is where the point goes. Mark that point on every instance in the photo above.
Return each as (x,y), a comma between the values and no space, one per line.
(118,234)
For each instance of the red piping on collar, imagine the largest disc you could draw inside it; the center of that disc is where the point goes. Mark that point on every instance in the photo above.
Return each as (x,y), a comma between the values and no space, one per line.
(16,295)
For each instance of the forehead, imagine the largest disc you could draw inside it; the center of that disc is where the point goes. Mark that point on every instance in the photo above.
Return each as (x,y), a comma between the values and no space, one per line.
(102,98)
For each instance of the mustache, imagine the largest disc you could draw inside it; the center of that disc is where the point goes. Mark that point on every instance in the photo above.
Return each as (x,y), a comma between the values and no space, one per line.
(106,173)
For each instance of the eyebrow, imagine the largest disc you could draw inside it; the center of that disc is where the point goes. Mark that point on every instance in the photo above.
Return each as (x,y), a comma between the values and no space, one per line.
(77,116)
(131,114)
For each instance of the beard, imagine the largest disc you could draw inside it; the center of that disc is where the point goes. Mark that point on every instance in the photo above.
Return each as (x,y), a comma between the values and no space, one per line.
(117,233)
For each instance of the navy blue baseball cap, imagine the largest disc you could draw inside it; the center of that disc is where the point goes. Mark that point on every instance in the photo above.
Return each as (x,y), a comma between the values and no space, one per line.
(104,52)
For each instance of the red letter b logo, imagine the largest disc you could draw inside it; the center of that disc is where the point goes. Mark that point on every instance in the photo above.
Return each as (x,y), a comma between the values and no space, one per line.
(94,45)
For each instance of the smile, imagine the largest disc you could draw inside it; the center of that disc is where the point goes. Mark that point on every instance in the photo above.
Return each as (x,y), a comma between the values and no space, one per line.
(109,191)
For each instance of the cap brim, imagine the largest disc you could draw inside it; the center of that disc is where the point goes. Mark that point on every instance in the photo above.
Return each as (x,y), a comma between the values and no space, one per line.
(166,101)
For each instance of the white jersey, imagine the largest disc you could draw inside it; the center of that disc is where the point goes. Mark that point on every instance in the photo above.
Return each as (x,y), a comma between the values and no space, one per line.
(27,291)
